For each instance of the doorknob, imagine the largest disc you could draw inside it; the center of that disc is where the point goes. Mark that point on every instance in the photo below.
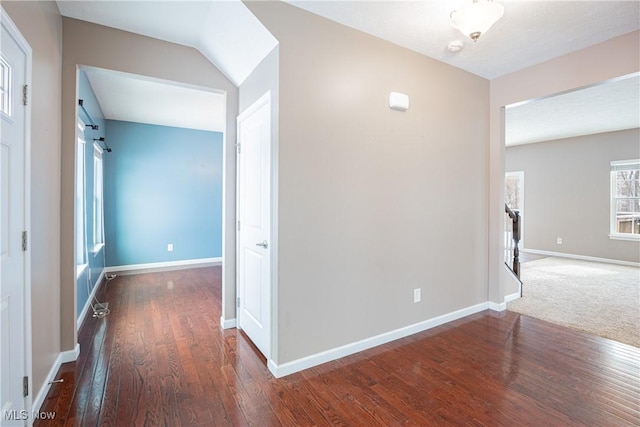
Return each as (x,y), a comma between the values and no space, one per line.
(264,244)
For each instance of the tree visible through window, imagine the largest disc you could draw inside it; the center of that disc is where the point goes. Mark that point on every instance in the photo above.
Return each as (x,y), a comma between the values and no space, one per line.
(625,198)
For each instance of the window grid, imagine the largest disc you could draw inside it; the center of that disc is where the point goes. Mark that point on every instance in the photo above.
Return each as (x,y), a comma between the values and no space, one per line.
(5,87)
(625,199)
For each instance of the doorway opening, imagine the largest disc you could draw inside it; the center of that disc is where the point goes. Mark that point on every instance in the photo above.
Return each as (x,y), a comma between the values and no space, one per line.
(163,159)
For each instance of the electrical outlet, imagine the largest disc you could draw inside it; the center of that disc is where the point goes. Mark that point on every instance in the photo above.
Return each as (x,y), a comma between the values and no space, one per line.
(417,295)
(559,240)
(170,247)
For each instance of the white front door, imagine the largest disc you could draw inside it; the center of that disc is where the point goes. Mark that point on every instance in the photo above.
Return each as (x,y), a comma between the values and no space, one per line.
(13,222)
(254,223)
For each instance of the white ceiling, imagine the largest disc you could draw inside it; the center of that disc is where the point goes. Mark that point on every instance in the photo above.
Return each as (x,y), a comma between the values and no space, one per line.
(138,99)
(225,32)
(605,107)
(530,32)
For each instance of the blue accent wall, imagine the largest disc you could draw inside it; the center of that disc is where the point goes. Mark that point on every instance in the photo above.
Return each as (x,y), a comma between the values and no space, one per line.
(162,185)
(88,280)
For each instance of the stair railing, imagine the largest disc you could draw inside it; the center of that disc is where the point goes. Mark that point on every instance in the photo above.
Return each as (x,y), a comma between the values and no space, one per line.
(512,239)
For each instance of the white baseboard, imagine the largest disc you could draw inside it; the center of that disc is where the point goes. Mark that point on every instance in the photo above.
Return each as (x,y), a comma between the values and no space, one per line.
(227,323)
(154,267)
(496,306)
(582,257)
(336,353)
(87,304)
(64,357)
(512,297)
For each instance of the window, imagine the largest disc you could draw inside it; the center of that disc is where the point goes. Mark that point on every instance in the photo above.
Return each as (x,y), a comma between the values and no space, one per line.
(81,211)
(625,199)
(5,87)
(98,205)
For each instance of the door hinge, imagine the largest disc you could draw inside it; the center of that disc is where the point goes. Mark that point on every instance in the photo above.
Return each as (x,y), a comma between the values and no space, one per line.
(25,386)
(24,241)
(238,225)
(238,145)
(25,94)
(238,302)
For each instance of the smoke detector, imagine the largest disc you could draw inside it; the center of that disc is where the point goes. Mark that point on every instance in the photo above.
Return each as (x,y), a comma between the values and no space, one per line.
(455,46)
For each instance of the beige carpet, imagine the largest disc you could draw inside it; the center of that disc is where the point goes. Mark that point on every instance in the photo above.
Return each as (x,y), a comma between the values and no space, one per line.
(602,299)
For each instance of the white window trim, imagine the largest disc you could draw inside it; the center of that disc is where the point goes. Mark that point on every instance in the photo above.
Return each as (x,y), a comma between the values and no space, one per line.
(98,211)
(81,248)
(619,165)
(6,84)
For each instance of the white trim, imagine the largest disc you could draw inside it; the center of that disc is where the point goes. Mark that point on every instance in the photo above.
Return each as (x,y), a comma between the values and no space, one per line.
(336,353)
(87,303)
(80,269)
(617,165)
(227,323)
(511,297)
(496,306)
(625,236)
(582,257)
(12,28)
(70,355)
(153,267)
(64,357)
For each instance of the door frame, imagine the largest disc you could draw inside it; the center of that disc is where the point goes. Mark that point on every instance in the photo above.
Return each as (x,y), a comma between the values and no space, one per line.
(26,48)
(272,315)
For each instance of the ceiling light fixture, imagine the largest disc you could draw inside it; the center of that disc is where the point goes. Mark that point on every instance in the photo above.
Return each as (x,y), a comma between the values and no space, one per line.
(475,19)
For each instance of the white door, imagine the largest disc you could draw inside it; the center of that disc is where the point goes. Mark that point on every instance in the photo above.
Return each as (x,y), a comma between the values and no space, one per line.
(13,222)
(254,223)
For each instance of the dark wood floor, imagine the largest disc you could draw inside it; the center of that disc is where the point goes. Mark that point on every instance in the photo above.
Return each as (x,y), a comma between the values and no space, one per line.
(160,358)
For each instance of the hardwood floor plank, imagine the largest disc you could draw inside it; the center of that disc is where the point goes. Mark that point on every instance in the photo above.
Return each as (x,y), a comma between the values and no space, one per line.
(161,358)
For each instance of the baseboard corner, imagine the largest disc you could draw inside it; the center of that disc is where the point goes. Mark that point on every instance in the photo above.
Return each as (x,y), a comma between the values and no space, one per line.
(227,323)
(497,306)
(512,297)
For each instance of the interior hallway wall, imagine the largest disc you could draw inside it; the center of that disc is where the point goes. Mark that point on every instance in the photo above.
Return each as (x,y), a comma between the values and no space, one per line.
(373,203)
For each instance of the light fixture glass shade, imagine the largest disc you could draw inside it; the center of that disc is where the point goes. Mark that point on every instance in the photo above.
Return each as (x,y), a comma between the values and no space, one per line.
(475,19)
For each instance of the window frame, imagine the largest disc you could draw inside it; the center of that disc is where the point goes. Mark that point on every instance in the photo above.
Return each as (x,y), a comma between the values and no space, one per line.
(98,199)
(618,165)
(81,255)
(6,84)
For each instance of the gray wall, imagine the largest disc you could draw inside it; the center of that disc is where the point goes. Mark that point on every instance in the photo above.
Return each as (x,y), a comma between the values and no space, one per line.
(567,193)
(373,202)
(98,46)
(40,23)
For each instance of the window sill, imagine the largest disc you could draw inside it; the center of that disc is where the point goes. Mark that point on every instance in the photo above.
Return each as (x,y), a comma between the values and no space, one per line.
(80,269)
(96,249)
(628,237)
